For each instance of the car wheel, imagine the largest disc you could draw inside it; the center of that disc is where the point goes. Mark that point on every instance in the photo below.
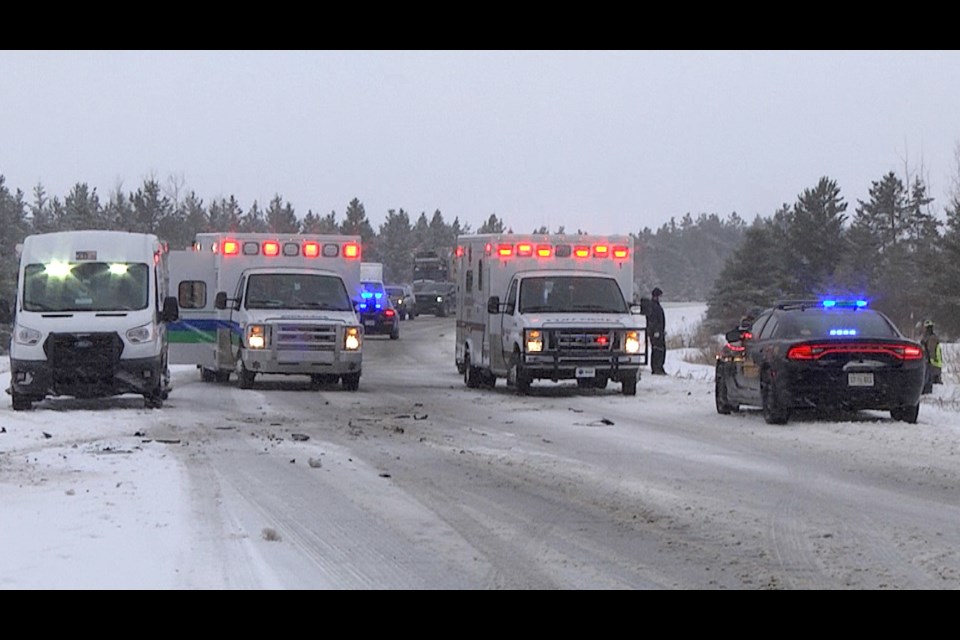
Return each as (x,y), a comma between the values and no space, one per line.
(724,406)
(207,375)
(521,379)
(245,377)
(906,414)
(773,413)
(629,386)
(395,334)
(154,399)
(20,402)
(350,381)
(222,376)
(471,375)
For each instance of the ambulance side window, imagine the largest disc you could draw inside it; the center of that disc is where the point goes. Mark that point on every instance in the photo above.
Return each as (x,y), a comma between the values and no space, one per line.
(192,294)
(511,299)
(480,275)
(469,280)
(238,294)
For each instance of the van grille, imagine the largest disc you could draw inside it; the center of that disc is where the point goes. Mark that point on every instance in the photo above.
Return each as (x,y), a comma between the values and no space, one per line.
(305,337)
(594,341)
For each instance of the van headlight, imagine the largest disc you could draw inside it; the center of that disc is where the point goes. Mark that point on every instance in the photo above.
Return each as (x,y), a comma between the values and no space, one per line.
(534,341)
(256,336)
(351,338)
(631,342)
(27,336)
(139,335)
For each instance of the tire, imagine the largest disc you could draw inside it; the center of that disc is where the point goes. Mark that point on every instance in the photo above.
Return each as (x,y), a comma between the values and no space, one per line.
(471,375)
(724,406)
(207,375)
(222,376)
(521,379)
(773,413)
(395,334)
(442,311)
(487,379)
(20,402)
(629,386)
(906,414)
(245,377)
(154,399)
(350,381)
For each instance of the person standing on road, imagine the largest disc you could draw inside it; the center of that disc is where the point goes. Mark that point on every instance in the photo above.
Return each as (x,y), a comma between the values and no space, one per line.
(934,357)
(656,334)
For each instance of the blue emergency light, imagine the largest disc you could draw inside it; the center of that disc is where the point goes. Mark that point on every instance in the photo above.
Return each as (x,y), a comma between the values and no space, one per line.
(832,303)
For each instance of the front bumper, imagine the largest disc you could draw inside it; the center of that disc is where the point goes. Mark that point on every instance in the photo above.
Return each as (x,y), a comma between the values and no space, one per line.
(302,362)
(566,366)
(39,378)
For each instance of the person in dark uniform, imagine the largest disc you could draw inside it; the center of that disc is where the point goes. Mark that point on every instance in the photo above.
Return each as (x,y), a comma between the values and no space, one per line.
(656,334)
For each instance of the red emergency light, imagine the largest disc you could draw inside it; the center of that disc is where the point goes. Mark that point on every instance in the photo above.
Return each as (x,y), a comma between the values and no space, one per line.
(524,250)
(459,252)
(270,248)
(351,250)
(231,247)
(311,249)
(488,249)
(603,340)
(505,250)
(581,251)
(544,250)
(601,251)
(620,252)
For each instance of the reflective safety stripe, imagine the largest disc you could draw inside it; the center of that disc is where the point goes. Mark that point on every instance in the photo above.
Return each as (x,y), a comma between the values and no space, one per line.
(937,359)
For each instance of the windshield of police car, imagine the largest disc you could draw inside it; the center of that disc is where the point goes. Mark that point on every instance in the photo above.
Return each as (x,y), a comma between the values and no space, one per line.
(565,294)
(86,286)
(297,291)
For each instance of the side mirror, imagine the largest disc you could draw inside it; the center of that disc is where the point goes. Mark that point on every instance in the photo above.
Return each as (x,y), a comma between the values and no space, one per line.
(636,309)
(220,301)
(5,317)
(493,304)
(171,310)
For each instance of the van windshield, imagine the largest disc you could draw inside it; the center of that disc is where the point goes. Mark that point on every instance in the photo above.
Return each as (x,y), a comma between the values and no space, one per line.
(86,286)
(297,291)
(565,294)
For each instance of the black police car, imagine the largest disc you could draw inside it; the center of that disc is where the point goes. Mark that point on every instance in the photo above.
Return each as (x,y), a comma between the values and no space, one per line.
(433,297)
(377,314)
(820,354)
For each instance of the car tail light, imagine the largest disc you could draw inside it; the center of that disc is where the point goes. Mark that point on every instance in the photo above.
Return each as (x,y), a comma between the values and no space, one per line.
(816,351)
(389,313)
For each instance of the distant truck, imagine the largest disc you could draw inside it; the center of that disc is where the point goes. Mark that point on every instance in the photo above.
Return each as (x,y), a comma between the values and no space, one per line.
(429,265)
(371,272)
(256,303)
(548,307)
(90,318)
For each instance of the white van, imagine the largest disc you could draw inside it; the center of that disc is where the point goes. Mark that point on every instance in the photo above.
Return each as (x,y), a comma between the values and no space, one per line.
(90,317)
(551,307)
(259,303)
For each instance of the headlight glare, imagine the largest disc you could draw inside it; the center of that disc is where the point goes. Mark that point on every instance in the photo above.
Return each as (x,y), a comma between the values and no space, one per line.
(256,336)
(351,339)
(631,342)
(534,341)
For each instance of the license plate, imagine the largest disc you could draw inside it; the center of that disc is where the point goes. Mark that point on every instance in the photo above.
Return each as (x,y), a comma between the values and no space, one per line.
(369,323)
(586,372)
(860,379)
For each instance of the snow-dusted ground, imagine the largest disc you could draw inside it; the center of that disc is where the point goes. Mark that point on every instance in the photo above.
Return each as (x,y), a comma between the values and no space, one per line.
(417,482)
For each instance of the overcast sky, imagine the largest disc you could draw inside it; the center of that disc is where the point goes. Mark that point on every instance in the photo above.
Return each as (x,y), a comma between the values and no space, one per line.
(606,141)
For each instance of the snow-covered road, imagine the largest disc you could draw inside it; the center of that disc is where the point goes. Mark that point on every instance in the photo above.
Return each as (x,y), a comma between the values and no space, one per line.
(416,481)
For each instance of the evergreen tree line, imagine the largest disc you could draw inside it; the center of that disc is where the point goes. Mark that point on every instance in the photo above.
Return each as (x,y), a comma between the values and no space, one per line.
(893,251)
(176,217)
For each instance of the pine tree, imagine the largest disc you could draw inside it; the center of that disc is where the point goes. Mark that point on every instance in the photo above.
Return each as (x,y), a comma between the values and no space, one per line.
(395,246)
(82,209)
(492,225)
(281,218)
(41,220)
(150,207)
(253,221)
(14,227)
(355,223)
(815,238)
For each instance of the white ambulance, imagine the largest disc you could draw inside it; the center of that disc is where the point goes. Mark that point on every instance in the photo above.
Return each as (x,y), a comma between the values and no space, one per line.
(90,318)
(551,307)
(259,303)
